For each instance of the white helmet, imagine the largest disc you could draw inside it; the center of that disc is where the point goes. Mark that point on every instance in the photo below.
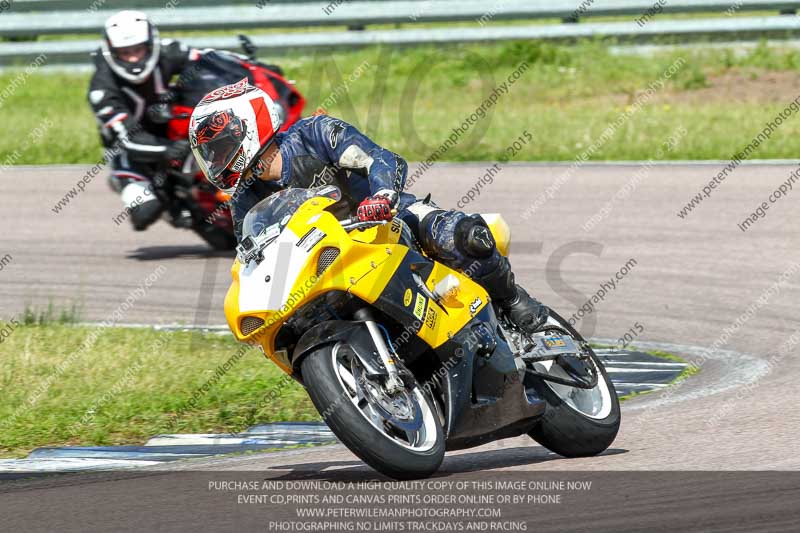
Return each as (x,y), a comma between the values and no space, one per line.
(129,28)
(230,129)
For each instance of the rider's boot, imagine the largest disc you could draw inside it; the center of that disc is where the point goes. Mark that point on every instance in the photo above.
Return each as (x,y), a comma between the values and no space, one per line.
(141,204)
(524,311)
(465,242)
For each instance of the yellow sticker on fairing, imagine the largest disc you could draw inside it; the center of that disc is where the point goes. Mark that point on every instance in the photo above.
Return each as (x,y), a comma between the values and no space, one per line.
(419,306)
(407,297)
(396,225)
(431,318)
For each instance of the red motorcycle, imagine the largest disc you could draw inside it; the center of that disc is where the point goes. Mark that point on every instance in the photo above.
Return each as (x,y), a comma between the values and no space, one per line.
(204,207)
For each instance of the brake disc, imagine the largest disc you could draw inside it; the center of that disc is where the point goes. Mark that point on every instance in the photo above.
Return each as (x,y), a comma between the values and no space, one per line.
(401,409)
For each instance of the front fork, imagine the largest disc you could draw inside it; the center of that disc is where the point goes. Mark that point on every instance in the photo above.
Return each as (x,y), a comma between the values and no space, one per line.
(393,382)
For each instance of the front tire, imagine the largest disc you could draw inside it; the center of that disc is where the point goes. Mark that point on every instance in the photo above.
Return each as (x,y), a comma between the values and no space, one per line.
(337,391)
(220,239)
(577,428)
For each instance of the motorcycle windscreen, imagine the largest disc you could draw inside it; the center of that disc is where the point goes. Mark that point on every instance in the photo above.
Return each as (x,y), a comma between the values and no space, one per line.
(277,209)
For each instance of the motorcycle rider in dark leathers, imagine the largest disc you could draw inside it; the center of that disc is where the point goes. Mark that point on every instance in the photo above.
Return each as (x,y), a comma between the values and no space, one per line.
(232,134)
(128,93)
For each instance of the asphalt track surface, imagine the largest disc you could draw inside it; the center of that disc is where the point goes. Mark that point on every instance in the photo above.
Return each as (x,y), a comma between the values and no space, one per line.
(693,278)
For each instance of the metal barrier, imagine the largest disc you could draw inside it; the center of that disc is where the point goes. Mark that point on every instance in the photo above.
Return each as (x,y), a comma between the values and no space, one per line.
(562,9)
(94,5)
(190,15)
(346,13)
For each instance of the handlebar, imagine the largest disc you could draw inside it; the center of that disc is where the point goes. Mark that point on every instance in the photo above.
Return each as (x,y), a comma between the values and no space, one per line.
(350,224)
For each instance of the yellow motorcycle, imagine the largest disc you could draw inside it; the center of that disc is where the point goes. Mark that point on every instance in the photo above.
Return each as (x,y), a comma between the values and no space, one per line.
(403,357)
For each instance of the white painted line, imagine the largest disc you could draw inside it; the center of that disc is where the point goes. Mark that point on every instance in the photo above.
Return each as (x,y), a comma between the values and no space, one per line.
(637,370)
(215,328)
(68,464)
(648,363)
(654,385)
(741,369)
(215,440)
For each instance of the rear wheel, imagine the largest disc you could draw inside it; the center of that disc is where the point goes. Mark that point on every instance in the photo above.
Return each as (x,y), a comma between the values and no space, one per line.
(397,434)
(577,422)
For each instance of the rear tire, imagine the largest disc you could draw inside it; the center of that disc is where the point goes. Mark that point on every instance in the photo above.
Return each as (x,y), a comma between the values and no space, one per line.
(564,429)
(333,400)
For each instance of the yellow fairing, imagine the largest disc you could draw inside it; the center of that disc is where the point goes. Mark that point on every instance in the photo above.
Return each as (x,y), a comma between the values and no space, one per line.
(500,231)
(438,321)
(443,321)
(362,268)
(365,265)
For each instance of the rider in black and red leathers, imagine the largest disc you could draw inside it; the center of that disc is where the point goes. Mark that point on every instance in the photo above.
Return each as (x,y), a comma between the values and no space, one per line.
(128,89)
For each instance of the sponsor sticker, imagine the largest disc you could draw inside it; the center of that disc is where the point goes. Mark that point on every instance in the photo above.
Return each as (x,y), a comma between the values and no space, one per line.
(431,318)
(419,306)
(310,239)
(475,305)
(407,297)
(330,190)
(272,231)
(238,166)
(554,342)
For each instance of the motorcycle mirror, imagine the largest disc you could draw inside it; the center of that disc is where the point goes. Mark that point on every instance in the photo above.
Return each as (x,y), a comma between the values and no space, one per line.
(247,45)
(159,113)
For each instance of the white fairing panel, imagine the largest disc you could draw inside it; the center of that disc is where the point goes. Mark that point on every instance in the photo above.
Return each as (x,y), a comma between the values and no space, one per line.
(283,262)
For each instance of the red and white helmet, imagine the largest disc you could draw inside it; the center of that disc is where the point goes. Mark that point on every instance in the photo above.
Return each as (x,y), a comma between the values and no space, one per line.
(230,129)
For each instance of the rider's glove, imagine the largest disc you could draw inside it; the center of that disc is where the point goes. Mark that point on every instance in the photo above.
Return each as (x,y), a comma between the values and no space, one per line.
(374,208)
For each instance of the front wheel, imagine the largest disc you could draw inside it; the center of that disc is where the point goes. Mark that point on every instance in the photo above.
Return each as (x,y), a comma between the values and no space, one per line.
(219,238)
(577,422)
(397,434)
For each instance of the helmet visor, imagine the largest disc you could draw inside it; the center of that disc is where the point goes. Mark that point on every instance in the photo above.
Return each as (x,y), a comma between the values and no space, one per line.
(219,140)
(132,53)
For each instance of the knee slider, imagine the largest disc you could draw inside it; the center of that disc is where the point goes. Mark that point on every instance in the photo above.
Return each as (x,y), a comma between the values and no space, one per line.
(474,237)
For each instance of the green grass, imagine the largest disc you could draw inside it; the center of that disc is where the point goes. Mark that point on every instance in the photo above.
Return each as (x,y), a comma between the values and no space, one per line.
(132,384)
(32,316)
(687,372)
(690,370)
(59,387)
(566,99)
